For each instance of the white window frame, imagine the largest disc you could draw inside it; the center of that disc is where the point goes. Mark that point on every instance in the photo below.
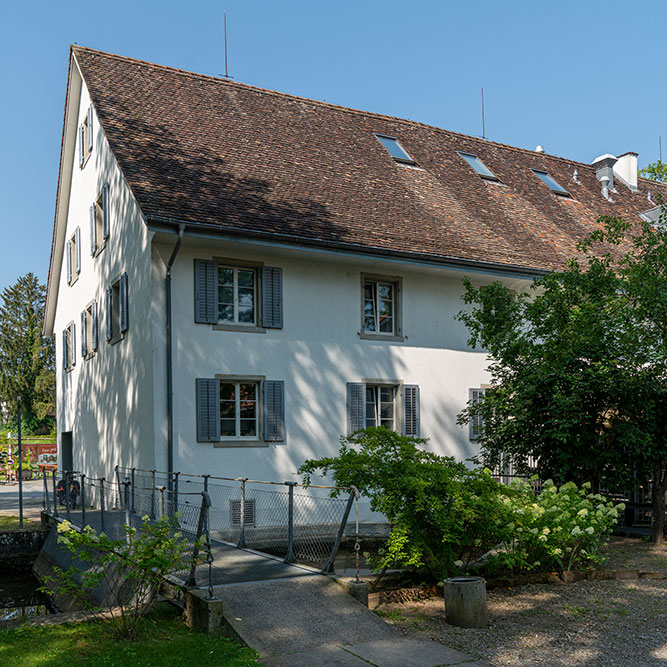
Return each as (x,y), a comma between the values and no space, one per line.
(237,382)
(88,330)
(235,290)
(74,256)
(397,290)
(377,388)
(84,132)
(70,349)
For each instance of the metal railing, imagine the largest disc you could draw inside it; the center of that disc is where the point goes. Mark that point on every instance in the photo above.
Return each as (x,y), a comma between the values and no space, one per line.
(299,523)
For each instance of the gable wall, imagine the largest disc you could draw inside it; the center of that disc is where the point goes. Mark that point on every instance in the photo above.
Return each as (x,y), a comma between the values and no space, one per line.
(105,400)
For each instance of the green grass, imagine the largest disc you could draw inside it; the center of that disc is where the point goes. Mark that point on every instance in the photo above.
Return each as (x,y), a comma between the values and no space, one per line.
(163,640)
(8,523)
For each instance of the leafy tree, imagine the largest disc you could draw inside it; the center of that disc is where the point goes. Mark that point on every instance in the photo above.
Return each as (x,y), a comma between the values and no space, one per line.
(579,366)
(655,171)
(27,360)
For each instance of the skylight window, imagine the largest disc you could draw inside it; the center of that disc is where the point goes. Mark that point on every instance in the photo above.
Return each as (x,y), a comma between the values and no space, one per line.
(551,182)
(479,166)
(395,149)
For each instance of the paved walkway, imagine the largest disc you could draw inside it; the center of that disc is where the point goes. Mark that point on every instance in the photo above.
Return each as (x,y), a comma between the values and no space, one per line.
(32,498)
(292,615)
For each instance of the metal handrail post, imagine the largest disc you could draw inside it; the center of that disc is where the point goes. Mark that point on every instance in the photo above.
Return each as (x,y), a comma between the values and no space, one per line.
(153,495)
(206,527)
(175,498)
(55,494)
(289,557)
(83,500)
(241,542)
(161,501)
(118,486)
(68,477)
(329,567)
(132,487)
(205,504)
(45,495)
(126,493)
(102,502)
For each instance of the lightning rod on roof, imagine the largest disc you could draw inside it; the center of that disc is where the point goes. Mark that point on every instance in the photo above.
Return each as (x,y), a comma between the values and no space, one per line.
(660,146)
(226,72)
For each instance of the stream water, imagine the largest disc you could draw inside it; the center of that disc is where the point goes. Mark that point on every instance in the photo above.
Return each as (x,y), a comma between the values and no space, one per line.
(20,598)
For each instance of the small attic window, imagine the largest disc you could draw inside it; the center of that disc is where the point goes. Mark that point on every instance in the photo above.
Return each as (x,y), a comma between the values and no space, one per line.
(479,166)
(551,182)
(395,149)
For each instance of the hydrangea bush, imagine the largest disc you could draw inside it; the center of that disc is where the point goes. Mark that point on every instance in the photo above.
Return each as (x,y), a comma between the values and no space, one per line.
(561,528)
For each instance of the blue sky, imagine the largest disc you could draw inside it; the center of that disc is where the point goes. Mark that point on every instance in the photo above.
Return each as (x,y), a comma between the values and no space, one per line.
(581,78)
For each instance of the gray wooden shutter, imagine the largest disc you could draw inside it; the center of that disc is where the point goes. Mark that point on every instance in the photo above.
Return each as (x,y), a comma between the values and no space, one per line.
(109,313)
(274,411)
(84,342)
(105,211)
(81,145)
(123,303)
(77,248)
(356,406)
(93,324)
(208,410)
(411,419)
(68,253)
(476,423)
(205,292)
(90,128)
(272,297)
(65,350)
(72,352)
(93,230)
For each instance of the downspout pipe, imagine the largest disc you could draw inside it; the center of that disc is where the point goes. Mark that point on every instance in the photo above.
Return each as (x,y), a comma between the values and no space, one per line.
(170,370)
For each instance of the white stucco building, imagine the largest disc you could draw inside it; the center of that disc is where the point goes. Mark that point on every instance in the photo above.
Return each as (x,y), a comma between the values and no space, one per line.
(240,277)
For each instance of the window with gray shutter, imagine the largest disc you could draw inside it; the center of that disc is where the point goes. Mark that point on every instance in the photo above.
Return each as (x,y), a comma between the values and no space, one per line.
(356,406)
(411,419)
(274,411)
(476,424)
(90,128)
(65,350)
(82,144)
(109,313)
(105,211)
(93,234)
(208,410)
(272,297)
(77,250)
(84,328)
(72,344)
(205,292)
(93,324)
(68,257)
(123,304)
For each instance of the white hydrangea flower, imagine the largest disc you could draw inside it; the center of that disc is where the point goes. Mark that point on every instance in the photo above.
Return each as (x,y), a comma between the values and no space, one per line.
(590,530)
(458,563)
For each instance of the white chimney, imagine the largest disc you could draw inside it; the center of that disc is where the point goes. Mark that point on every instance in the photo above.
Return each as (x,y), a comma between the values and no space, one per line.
(625,170)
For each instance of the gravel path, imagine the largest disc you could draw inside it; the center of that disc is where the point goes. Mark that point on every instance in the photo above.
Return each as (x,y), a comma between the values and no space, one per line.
(591,623)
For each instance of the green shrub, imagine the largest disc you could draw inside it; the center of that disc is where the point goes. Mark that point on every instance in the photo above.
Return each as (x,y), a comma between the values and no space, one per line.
(128,571)
(559,529)
(442,514)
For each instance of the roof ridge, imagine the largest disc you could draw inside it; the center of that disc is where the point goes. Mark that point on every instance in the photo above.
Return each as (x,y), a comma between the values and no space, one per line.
(339,107)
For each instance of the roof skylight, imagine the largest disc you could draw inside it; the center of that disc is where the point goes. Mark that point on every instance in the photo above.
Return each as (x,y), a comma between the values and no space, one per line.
(479,166)
(395,149)
(551,182)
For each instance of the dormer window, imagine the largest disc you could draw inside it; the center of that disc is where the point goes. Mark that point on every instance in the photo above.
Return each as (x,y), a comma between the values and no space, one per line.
(479,166)
(551,182)
(395,149)
(86,138)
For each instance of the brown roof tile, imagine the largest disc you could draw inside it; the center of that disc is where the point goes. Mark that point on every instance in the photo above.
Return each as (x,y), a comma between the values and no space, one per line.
(251,161)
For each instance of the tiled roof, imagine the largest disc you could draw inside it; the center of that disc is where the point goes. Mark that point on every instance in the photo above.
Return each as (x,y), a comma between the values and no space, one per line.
(255,162)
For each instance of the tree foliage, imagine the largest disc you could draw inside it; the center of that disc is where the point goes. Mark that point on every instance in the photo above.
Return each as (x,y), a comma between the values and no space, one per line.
(656,171)
(579,365)
(27,360)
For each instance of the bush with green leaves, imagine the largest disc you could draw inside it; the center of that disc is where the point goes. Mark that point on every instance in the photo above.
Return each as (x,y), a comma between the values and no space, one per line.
(442,514)
(124,573)
(561,528)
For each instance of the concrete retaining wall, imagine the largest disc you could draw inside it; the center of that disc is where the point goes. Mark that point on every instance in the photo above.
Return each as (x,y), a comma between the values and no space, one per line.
(19,549)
